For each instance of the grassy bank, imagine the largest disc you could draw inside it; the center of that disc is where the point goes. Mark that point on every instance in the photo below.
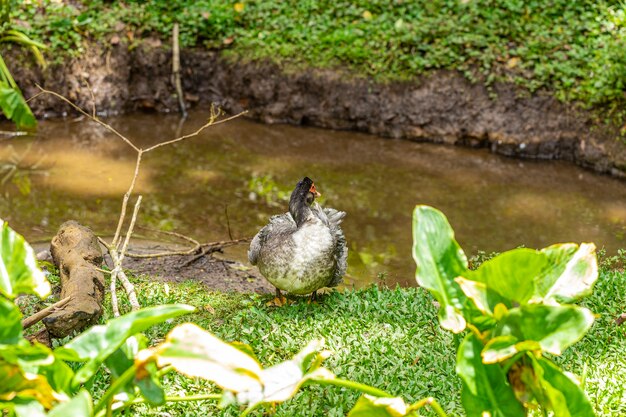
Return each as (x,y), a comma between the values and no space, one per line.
(577,49)
(387,338)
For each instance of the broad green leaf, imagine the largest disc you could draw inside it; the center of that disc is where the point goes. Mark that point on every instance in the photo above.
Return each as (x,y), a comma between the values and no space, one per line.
(28,409)
(149,385)
(10,322)
(554,328)
(99,342)
(79,406)
(59,376)
(566,397)
(282,381)
(483,297)
(512,274)
(19,272)
(25,386)
(499,348)
(369,406)
(122,359)
(15,107)
(197,353)
(572,272)
(486,390)
(439,260)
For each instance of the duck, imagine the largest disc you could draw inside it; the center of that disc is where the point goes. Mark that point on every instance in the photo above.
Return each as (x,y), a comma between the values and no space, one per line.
(304,249)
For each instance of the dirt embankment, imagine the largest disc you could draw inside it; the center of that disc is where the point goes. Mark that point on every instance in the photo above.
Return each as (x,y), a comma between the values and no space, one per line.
(443,107)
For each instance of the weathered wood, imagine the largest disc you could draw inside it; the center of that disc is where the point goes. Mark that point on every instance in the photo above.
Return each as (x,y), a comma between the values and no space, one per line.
(42,314)
(42,336)
(77,254)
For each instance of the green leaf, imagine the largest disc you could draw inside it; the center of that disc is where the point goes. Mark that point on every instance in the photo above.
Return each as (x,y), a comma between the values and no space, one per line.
(122,359)
(10,322)
(19,272)
(369,406)
(499,348)
(29,409)
(197,353)
(79,406)
(566,397)
(15,107)
(150,387)
(439,260)
(571,274)
(483,297)
(554,328)
(146,379)
(99,342)
(512,274)
(486,390)
(282,381)
(17,384)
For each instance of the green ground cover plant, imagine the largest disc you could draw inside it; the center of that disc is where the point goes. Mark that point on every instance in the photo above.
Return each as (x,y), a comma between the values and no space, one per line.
(386,339)
(574,48)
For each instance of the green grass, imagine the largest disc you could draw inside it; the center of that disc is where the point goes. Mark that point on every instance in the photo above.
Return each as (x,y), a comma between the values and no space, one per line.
(575,48)
(387,338)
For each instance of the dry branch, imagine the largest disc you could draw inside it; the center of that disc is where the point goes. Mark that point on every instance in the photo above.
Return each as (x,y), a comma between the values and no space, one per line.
(117,253)
(42,314)
(176,70)
(219,245)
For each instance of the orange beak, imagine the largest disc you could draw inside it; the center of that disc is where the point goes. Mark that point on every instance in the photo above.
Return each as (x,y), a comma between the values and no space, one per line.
(314,191)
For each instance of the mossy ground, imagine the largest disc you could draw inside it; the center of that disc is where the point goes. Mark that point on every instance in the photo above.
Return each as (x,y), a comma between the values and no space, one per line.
(576,49)
(387,338)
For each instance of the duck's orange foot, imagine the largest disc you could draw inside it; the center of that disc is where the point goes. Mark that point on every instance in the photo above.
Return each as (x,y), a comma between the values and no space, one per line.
(313,298)
(277,302)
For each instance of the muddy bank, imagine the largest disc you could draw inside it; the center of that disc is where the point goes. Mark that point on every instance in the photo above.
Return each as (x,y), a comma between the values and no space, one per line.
(443,107)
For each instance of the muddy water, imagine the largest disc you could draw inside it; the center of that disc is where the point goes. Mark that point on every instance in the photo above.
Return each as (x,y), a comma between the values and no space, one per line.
(245,171)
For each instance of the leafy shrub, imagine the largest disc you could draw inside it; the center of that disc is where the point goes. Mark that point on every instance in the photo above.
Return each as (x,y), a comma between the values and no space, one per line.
(516,306)
(12,102)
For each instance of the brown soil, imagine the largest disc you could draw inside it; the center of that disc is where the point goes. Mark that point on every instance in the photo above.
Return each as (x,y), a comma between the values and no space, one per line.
(443,107)
(217,273)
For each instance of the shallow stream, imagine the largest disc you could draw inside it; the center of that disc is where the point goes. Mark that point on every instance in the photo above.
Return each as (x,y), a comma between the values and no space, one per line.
(241,172)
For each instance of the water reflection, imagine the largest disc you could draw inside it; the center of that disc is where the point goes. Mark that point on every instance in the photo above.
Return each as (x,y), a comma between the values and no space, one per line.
(494,203)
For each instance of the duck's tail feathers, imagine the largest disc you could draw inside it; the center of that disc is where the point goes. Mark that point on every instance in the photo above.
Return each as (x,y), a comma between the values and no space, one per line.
(335,217)
(341,255)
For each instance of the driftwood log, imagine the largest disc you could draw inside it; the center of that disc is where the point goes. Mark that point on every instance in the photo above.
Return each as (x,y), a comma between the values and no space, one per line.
(76,252)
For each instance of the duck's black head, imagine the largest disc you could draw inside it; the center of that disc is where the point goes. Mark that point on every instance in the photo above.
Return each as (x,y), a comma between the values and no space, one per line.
(301,199)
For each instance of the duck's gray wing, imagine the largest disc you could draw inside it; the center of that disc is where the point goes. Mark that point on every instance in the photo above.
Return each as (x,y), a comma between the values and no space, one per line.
(333,218)
(278,224)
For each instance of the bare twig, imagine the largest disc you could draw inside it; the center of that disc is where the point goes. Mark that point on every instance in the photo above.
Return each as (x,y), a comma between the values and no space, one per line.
(176,70)
(35,96)
(211,122)
(127,195)
(114,304)
(117,254)
(130,229)
(191,251)
(95,119)
(169,233)
(130,291)
(42,314)
(230,235)
(118,272)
